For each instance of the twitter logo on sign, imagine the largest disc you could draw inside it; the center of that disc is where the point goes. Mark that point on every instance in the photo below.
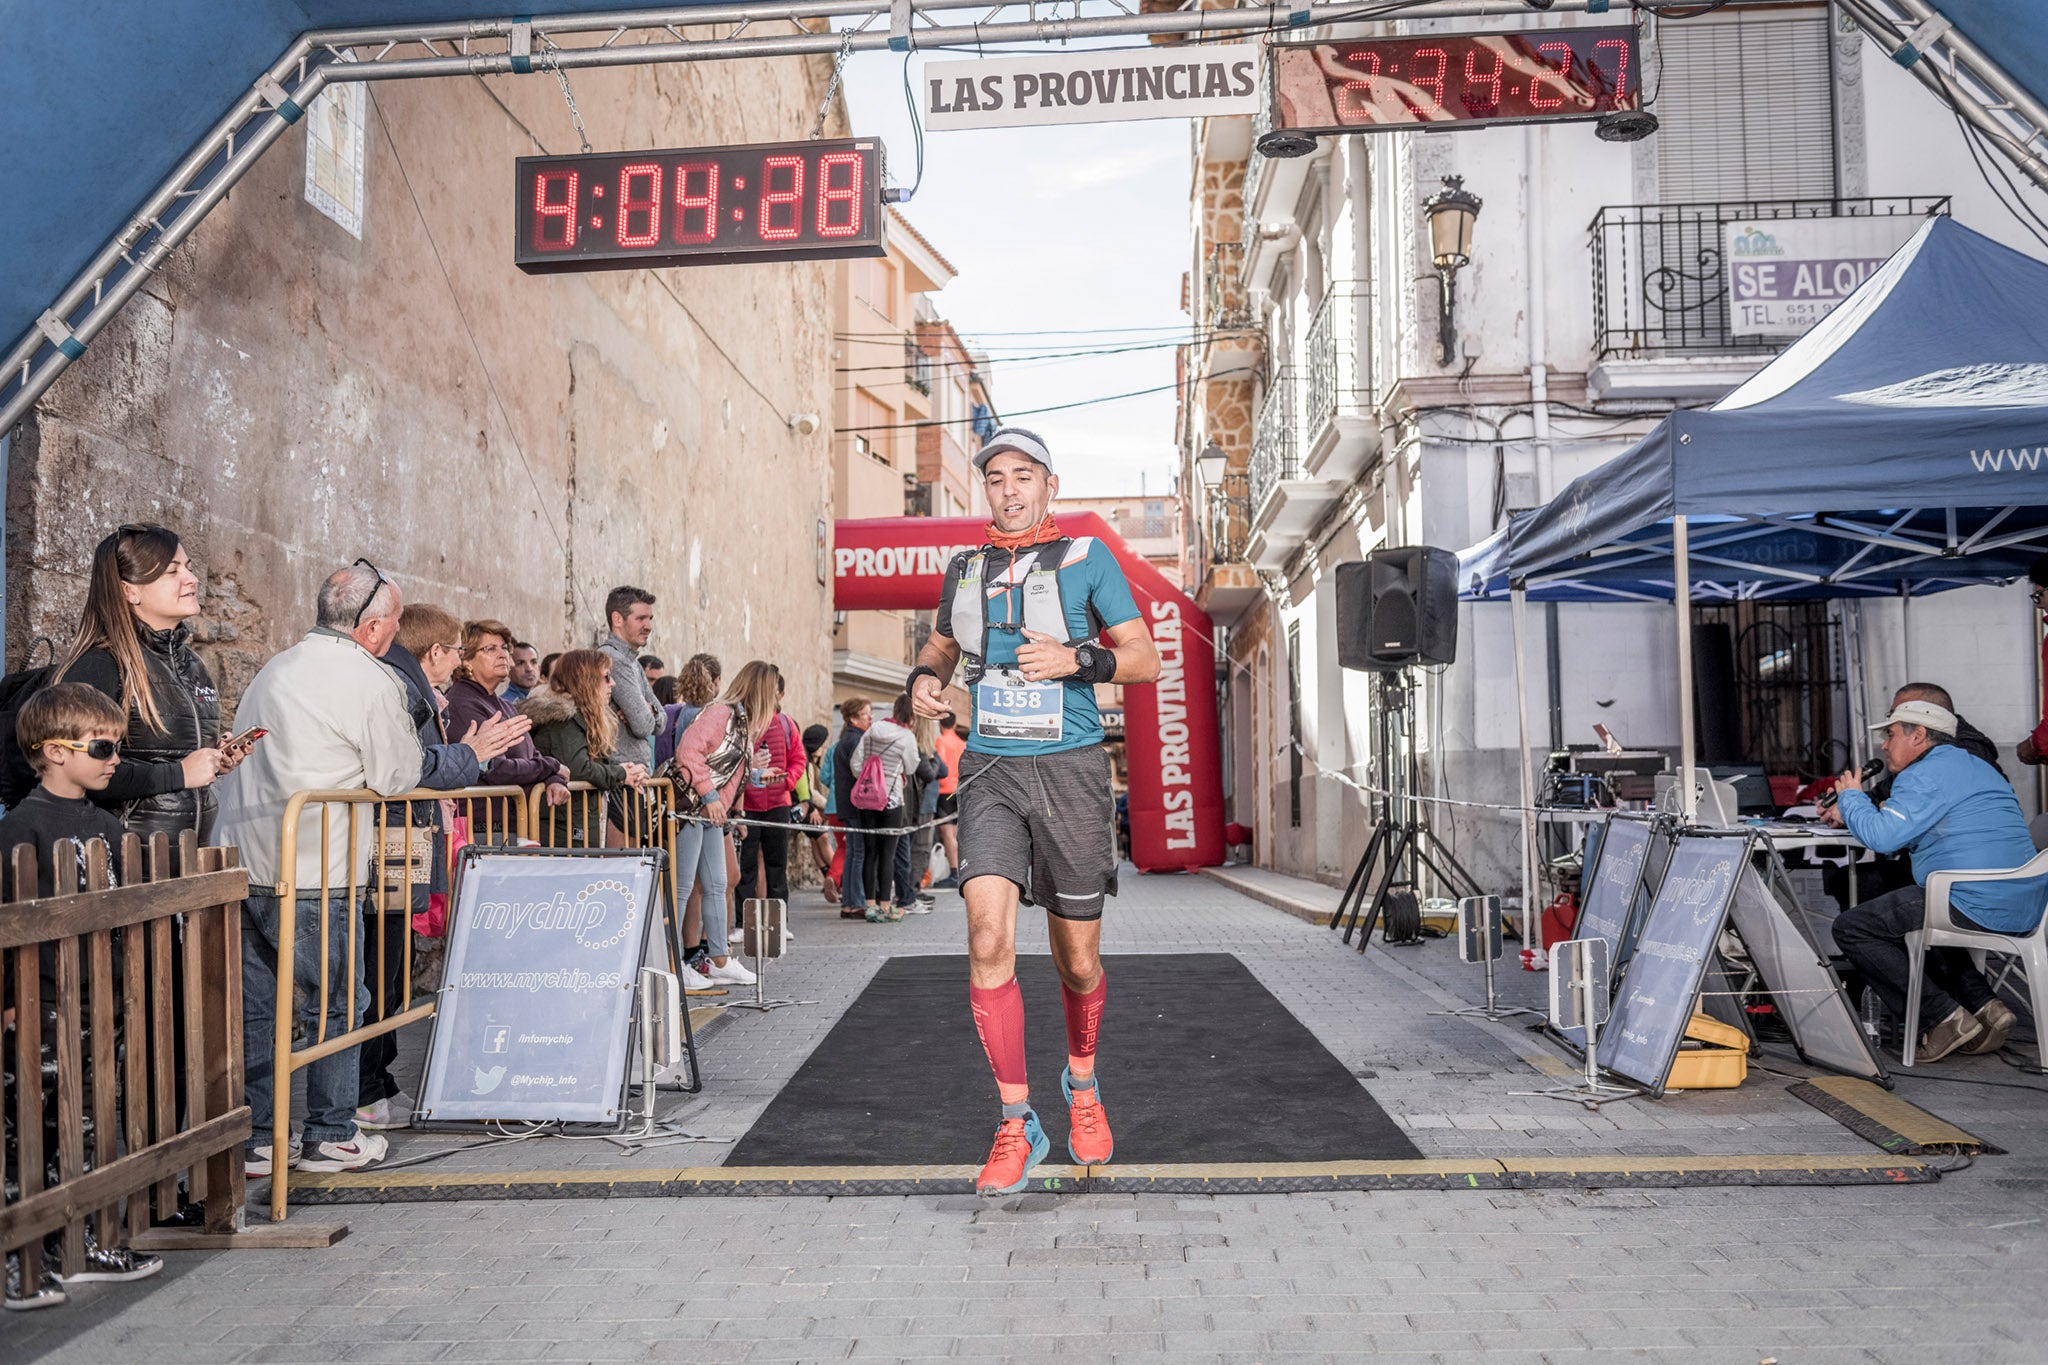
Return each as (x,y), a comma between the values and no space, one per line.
(487,1081)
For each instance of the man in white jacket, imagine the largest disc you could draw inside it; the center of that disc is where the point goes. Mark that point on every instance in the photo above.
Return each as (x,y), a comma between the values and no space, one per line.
(336,718)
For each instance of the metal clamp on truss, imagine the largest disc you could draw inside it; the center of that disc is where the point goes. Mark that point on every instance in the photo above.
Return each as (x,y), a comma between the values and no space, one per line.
(60,334)
(1921,40)
(279,99)
(519,45)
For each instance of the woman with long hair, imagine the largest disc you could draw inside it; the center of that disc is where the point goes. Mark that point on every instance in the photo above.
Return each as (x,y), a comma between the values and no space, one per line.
(133,644)
(712,757)
(696,688)
(574,725)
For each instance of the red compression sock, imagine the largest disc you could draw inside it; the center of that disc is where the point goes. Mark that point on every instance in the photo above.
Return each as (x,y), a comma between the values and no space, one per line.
(1084,1022)
(999,1019)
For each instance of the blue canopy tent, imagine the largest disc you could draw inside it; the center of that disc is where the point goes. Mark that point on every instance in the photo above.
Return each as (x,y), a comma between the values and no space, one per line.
(1899,447)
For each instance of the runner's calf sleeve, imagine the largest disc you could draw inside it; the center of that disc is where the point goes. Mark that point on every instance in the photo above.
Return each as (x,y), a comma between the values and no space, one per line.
(1084,1022)
(999,1019)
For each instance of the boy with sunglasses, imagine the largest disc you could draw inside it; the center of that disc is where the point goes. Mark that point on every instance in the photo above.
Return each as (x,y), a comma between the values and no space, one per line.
(71,734)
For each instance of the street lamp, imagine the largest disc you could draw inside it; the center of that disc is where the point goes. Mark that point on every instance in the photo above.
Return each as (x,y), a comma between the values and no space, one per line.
(1210,464)
(1451,211)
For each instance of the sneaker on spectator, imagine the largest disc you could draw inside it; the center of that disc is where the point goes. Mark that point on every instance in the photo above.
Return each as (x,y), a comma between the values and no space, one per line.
(949,882)
(364,1149)
(921,906)
(1959,1028)
(256,1161)
(694,980)
(1997,1018)
(105,1265)
(392,1112)
(734,972)
(48,1292)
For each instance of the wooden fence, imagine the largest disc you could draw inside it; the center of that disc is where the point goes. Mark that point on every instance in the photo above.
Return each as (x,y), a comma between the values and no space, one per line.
(128,1070)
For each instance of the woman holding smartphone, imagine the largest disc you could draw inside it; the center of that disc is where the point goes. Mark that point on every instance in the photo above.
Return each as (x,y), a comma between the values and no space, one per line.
(133,644)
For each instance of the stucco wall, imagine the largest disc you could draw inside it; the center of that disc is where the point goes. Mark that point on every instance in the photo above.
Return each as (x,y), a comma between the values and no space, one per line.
(288,397)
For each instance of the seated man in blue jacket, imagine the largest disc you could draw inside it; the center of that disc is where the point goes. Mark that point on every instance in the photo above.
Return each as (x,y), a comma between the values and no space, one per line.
(1948,809)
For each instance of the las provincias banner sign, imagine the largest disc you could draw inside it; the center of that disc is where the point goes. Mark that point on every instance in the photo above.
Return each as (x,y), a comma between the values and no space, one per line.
(1106,86)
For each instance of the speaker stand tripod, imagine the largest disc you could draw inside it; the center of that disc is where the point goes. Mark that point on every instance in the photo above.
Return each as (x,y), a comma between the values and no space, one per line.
(1401,844)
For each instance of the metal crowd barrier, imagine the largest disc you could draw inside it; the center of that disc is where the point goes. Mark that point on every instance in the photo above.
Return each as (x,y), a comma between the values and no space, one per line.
(386,855)
(628,819)
(377,839)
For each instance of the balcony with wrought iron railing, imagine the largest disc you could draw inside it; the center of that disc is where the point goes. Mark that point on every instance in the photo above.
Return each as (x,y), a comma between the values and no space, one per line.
(1340,433)
(917,367)
(1663,326)
(1276,445)
(1226,581)
(1286,501)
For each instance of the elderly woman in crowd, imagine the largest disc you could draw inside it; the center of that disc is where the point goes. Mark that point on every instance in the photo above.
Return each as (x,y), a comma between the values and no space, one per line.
(473,700)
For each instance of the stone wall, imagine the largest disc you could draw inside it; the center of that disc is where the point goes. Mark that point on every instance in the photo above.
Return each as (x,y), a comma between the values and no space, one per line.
(289,397)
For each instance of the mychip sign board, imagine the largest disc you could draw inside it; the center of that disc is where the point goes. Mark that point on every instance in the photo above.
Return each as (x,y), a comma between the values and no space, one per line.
(535,1013)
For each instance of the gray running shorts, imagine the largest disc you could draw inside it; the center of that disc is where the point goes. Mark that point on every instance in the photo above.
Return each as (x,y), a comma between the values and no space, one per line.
(1046,822)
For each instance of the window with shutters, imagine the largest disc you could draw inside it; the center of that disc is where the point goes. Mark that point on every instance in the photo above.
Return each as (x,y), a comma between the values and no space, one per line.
(1746,107)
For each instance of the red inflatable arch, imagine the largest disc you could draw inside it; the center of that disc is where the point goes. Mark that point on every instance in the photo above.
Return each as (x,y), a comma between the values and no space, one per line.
(1171,743)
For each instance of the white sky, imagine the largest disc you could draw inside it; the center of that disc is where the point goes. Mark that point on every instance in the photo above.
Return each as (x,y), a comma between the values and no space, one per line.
(1076,228)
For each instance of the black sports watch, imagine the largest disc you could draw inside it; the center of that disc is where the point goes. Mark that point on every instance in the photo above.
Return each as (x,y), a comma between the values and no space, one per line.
(1092,663)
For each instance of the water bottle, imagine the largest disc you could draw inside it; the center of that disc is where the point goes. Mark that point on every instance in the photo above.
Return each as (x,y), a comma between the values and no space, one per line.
(1873,1016)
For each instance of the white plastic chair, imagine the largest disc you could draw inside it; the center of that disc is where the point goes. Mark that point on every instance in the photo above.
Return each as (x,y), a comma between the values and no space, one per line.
(1938,930)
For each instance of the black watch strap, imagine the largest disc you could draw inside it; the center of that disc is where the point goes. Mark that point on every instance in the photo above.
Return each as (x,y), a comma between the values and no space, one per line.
(910,683)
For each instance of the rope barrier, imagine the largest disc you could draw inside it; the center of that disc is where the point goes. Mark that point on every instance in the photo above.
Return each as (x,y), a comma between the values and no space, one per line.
(806,827)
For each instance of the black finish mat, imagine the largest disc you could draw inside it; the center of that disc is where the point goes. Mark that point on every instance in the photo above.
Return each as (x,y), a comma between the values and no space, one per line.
(1199,1063)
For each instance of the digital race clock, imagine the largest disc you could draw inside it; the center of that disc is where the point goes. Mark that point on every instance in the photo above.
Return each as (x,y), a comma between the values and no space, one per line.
(1442,80)
(773,201)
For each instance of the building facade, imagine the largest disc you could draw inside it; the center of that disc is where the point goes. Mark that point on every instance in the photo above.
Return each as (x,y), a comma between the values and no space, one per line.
(1592,305)
(908,404)
(296,390)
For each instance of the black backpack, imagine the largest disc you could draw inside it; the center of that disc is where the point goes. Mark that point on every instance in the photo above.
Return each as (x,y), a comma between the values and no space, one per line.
(17,778)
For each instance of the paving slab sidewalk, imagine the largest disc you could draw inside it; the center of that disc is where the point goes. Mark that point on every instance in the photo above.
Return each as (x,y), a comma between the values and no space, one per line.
(1922,1273)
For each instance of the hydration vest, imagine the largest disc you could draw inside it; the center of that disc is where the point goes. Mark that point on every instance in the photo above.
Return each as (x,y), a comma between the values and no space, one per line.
(1045,611)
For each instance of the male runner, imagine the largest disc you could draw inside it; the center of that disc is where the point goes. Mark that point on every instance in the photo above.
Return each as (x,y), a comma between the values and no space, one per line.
(1036,818)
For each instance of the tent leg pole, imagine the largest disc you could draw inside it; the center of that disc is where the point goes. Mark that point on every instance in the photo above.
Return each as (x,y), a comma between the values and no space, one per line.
(1681,610)
(1519,599)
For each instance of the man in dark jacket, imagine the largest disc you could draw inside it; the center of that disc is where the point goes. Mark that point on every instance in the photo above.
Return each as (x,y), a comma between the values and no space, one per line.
(414,866)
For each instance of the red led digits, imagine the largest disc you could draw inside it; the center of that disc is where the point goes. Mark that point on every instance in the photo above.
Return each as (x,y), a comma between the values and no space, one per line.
(639,204)
(1563,72)
(1491,79)
(1620,47)
(1434,85)
(1354,99)
(696,217)
(774,201)
(554,211)
(832,197)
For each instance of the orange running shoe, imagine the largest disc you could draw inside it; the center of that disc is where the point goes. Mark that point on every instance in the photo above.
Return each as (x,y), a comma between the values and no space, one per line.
(1088,1139)
(1020,1145)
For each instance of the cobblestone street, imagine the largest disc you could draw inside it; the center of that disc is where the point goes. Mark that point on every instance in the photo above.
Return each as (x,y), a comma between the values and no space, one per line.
(1919,1273)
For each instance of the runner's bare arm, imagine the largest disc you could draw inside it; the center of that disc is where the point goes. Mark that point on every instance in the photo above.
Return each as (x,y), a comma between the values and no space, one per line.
(941,654)
(1137,660)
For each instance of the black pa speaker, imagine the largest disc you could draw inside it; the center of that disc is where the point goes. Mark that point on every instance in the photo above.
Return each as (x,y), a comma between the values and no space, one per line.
(1398,608)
